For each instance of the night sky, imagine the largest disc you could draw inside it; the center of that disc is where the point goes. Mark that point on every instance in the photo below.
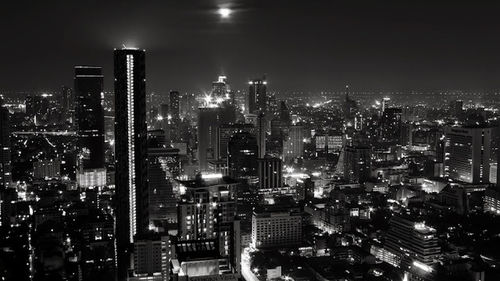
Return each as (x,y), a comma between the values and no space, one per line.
(299,45)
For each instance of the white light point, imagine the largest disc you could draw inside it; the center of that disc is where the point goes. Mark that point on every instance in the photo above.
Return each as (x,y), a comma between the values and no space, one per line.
(224,12)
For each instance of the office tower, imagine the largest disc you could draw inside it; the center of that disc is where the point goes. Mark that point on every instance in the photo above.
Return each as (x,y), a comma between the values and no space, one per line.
(467,154)
(67,102)
(257,99)
(284,114)
(270,172)
(357,164)
(207,213)
(130,151)
(279,134)
(151,257)
(174,105)
(188,105)
(391,125)
(208,122)
(350,108)
(240,100)
(293,145)
(174,117)
(220,89)
(162,166)
(226,131)
(276,228)
(407,239)
(5,157)
(272,104)
(261,134)
(89,116)
(242,156)
(385,104)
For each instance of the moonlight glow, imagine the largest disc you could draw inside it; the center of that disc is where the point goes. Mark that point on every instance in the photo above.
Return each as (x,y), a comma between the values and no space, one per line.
(224,12)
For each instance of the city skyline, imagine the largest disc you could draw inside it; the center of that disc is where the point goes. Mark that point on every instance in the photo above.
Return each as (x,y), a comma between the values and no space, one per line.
(217,154)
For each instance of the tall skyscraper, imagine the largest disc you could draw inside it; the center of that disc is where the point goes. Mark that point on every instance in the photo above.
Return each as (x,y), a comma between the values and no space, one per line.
(257,99)
(293,145)
(5,158)
(162,202)
(131,152)
(284,114)
(208,122)
(261,134)
(220,88)
(350,108)
(357,164)
(90,116)
(467,154)
(66,103)
(391,125)
(174,104)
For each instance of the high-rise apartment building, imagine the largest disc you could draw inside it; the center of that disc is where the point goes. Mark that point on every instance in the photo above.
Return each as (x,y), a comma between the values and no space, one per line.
(207,212)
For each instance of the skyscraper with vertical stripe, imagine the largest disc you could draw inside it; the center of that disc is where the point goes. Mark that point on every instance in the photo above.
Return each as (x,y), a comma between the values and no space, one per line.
(130,152)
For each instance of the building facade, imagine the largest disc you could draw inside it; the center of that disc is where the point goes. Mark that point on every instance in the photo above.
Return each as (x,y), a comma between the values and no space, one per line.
(130,151)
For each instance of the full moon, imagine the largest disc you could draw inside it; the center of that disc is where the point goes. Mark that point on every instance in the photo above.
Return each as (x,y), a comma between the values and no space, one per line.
(224,12)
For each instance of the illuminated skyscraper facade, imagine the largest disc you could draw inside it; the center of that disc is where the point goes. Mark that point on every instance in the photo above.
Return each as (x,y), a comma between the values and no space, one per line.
(174,97)
(131,151)
(5,158)
(257,99)
(467,154)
